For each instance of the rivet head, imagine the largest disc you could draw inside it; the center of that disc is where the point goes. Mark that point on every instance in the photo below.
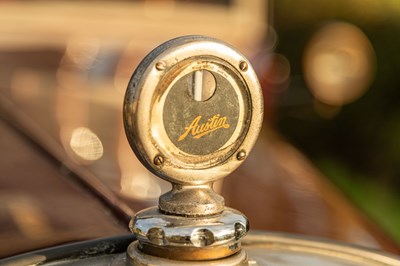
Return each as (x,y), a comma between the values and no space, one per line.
(241,155)
(240,231)
(160,65)
(158,160)
(156,236)
(243,66)
(202,238)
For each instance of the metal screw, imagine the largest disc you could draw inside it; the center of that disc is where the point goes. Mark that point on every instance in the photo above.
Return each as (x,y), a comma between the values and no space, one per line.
(243,66)
(158,160)
(160,65)
(241,155)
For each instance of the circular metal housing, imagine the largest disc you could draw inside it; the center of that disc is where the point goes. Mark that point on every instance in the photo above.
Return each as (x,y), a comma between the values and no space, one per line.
(192,137)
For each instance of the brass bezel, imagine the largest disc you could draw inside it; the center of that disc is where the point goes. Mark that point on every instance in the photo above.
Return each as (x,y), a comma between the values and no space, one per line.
(143,101)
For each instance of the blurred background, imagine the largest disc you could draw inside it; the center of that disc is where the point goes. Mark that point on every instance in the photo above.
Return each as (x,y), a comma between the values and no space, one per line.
(328,160)
(341,107)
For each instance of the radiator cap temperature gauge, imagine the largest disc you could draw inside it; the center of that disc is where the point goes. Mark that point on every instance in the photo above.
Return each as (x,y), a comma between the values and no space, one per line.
(192,112)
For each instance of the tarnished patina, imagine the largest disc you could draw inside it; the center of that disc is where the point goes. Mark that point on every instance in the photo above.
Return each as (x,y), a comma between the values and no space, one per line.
(192,112)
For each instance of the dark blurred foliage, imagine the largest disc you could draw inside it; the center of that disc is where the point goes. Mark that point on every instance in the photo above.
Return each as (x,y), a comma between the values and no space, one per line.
(360,146)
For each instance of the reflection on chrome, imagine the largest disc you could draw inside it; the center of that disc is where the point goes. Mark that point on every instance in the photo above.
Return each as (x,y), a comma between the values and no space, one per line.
(339,64)
(86,145)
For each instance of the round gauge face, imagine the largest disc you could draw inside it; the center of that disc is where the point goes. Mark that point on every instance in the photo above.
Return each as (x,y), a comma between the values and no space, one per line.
(201,127)
(193,110)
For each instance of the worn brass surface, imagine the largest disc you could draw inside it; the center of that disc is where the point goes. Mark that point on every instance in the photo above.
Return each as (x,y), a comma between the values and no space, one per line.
(136,257)
(191,253)
(202,127)
(159,109)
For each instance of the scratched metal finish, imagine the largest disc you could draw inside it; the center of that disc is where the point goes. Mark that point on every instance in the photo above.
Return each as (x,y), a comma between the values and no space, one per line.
(200,127)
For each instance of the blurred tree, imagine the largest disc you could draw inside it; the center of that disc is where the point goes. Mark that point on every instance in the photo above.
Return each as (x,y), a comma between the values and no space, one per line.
(358,146)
